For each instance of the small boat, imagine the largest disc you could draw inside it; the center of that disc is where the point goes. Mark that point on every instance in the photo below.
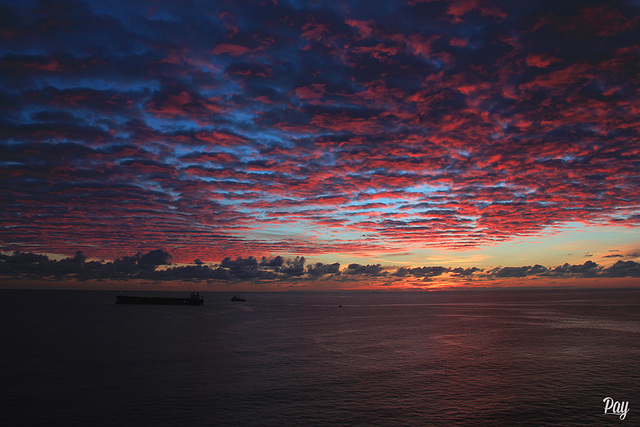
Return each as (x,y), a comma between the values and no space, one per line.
(237,298)
(195,299)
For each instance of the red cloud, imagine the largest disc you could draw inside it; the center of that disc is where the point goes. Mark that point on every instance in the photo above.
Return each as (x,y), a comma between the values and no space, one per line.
(312,92)
(183,103)
(365,28)
(459,8)
(540,61)
(232,49)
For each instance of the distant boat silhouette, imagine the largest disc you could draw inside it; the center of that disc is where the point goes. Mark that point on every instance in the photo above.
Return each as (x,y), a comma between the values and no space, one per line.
(237,298)
(195,299)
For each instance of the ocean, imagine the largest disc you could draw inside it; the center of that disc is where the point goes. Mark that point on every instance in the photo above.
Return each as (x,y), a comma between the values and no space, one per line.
(470,358)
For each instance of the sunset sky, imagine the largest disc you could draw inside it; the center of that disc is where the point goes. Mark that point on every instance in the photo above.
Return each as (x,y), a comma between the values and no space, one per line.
(496,140)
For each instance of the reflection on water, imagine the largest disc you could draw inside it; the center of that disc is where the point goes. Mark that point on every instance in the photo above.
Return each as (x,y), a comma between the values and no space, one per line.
(467,358)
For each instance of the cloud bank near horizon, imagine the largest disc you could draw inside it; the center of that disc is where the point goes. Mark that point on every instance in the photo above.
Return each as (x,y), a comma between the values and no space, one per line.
(29,266)
(314,127)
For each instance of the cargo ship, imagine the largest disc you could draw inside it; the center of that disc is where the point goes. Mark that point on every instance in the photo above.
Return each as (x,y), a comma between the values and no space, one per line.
(195,299)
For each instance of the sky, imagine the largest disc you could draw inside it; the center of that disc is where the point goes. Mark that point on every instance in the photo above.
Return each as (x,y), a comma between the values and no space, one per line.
(420,144)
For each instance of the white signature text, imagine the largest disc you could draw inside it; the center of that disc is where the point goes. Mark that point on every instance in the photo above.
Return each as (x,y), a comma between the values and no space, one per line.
(613,407)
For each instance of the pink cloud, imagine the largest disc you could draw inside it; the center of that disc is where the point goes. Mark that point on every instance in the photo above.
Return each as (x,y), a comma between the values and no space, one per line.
(232,49)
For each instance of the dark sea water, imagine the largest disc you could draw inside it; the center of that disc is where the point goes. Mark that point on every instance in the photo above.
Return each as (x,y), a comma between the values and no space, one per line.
(463,358)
